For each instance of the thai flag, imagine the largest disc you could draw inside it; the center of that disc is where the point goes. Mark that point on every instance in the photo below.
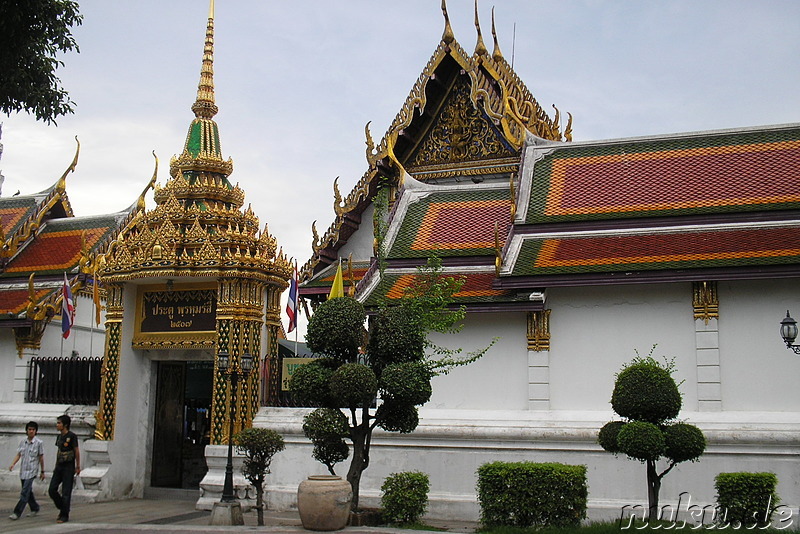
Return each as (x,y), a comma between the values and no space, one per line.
(291,305)
(67,309)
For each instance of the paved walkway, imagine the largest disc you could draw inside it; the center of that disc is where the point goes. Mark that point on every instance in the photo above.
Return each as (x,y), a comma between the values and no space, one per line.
(162,515)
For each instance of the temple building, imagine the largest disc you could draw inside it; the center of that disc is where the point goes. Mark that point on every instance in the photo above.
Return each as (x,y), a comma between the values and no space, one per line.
(194,277)
(576,256)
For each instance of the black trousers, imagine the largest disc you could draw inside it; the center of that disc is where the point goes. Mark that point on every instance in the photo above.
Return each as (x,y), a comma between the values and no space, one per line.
(64,476)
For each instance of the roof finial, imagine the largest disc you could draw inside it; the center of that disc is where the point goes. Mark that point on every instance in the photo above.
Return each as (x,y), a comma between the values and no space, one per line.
(480,48)
(204,107)
(497,55)
(448,36)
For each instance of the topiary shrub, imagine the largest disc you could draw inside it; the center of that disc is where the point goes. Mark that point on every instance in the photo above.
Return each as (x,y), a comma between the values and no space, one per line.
(353,385)
(646,391)
(259,445)
(337,329)
(408,382)
(641,441)
(646,395)
(527,494)
(607,437)
(310,382)
(395,336)
(327,428)
(405,497)
(746,499)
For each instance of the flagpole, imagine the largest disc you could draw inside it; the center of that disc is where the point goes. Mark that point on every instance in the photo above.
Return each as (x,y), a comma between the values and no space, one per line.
(296,307)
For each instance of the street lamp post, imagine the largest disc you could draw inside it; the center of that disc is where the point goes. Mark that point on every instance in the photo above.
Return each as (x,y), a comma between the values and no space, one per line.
(789,333)
(224,365)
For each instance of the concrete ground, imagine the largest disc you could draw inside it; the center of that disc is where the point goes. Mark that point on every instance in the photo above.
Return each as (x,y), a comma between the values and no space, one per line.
(162,515)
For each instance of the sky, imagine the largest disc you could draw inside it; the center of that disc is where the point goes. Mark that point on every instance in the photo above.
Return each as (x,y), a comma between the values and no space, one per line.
(297,81)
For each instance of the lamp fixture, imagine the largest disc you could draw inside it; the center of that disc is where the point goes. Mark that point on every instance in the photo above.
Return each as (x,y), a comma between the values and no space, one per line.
(789,333)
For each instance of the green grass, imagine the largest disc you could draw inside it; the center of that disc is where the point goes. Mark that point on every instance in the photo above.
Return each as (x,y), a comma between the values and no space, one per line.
(614,528)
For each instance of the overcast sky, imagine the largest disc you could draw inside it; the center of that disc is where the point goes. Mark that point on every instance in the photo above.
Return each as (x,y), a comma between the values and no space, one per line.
(296,82)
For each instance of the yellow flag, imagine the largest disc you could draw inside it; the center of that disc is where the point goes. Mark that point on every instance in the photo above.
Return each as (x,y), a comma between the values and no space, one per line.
(337,289)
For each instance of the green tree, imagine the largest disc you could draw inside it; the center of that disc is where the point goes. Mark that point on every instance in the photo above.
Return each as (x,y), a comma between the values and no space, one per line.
(390,371)
(32,34)
(259,445)
(647,398)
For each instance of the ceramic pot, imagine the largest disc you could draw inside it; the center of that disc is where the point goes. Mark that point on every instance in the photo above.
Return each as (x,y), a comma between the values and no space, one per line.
(324,502)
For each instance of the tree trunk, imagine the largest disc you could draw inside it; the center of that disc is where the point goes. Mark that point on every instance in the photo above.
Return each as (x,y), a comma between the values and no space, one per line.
(360,459)
(260,504)
(653,488)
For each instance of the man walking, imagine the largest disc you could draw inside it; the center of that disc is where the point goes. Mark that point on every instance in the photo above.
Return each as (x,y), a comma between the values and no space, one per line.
(68,464)
(31,452)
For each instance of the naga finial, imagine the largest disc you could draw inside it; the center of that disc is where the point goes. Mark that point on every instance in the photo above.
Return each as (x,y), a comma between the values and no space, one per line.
(315,242)
(337,198)
(370,145)
(61,185)
(568,129)
(480,47)
(150,185)
(497,55)
(448,36)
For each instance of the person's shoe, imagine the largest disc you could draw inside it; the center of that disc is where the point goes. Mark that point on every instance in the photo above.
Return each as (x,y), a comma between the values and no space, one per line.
(62,519)
(13,517)
(33,513)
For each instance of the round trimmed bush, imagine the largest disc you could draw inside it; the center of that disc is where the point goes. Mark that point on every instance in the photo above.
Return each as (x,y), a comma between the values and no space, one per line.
(395,336)
(684,442)
(646,391)
(641,440)
(337,329)
(397,417)
(405,497)
(408,382)
(353,385)
(325,423)
(309,382)
(607,437)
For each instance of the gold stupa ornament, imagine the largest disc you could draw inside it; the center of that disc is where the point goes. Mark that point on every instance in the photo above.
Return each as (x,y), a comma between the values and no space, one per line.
(199,237)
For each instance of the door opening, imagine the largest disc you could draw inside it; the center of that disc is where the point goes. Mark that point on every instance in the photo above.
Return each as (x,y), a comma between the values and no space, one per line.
(181,429)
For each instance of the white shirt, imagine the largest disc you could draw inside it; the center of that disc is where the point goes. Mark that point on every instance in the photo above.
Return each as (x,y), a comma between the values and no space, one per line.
(29,453)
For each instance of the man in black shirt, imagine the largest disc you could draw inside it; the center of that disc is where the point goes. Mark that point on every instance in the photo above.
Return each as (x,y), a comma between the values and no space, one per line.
(68,464)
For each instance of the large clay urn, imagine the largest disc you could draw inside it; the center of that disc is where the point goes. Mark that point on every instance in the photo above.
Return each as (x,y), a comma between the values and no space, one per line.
(324,502)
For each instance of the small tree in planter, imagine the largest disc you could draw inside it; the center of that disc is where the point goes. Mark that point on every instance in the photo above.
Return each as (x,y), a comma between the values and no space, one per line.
(392,373)
(259,445)
(647,398)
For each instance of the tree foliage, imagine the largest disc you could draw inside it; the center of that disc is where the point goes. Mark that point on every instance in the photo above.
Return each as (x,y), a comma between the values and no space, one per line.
(379,384)
(32,35)
(647,397)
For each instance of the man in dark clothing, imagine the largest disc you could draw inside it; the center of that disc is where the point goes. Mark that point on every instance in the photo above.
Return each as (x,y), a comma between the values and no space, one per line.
(68,464)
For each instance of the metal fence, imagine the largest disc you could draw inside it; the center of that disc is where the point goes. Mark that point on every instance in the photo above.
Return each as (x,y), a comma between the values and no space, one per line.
(64,380)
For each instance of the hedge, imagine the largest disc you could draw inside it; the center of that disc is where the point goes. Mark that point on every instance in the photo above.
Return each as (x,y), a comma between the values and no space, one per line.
(747,499)
(526,494)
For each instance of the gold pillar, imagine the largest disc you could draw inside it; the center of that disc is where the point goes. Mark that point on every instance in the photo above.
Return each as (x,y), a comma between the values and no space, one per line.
(240,302)
(106,413)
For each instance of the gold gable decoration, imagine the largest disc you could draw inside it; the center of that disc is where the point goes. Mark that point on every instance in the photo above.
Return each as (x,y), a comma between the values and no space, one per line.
(495,92)
(460,135)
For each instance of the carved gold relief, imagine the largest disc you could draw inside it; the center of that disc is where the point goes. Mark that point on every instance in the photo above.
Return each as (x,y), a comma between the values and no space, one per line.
(705,300)
(539,330)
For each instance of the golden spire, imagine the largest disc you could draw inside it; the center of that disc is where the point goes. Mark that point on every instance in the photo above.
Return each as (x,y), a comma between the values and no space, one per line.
(448,36)
(480,48)
(204,107)
(497,55)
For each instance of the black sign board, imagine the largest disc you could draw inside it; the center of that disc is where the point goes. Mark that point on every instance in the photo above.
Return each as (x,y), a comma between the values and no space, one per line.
(179,311)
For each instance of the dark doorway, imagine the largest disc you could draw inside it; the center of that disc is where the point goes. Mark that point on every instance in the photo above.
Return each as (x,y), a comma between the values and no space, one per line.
(181,429)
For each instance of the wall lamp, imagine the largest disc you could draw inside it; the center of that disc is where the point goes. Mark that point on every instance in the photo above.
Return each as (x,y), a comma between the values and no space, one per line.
(789,333)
